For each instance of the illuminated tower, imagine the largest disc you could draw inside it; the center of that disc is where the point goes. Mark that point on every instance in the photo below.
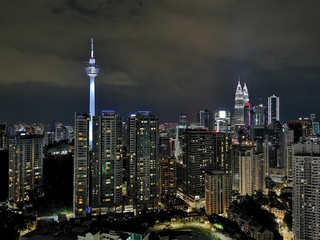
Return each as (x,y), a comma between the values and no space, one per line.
(245,94)
(241,98)
(92,71)
(238,106)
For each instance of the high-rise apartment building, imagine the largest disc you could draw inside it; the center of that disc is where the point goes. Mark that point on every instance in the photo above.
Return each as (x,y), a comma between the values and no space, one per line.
(217,192)
(273,109)
(107,164)
(168,176)
(197,155)
(81,165)
(306,191)
(25,167)
(221,143)
(247,169)
(143,161)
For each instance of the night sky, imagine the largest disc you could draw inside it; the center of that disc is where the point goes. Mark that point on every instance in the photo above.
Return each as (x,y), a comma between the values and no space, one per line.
(167,56)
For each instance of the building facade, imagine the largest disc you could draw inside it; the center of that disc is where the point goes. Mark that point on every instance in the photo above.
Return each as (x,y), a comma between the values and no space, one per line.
(143,184)
(217,192)
(197,154)
(25,167)
(81,165)
(222,121)
(168,176)
(107,163)
(247,169)
(273,109)
(306,190)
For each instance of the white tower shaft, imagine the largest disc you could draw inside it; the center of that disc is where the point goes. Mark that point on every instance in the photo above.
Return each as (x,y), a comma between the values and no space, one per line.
(92,71)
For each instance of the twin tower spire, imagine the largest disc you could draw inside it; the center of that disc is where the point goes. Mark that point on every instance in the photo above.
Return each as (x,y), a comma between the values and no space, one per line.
(241,98)
(242,93)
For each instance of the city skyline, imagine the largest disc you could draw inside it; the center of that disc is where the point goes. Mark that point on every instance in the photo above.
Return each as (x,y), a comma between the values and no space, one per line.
(167,57)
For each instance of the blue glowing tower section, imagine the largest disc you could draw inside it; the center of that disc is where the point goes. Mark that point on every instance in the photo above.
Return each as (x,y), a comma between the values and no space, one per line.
(92,71)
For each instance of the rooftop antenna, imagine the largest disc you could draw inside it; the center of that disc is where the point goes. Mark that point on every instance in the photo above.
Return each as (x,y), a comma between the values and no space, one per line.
(91,46)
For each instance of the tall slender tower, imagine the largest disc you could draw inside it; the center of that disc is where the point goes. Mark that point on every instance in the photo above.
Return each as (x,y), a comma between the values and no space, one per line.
(92,71)
(238,106)
(241,98)
(245,94)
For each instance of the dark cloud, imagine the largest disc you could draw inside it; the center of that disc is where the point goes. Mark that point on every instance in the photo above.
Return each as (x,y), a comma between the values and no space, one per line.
(170,56)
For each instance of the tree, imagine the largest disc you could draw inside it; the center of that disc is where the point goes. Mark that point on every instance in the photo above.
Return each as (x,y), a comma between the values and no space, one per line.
(288,220)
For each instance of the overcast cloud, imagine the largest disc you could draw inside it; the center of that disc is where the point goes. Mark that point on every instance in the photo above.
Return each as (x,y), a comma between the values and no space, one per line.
(168,56)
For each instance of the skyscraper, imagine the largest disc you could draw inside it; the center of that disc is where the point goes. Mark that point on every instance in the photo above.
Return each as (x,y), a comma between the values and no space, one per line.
(222,121)
(221,143)
(241,98)
(306,194)
(25,166)
(81,165)
(238,106)
(92,71)
(197,152)
(242,161)
(144,160)
(245,94)
(168,178)
(205,119)
(273,109)
(217,192)
(259,115)
(106,164)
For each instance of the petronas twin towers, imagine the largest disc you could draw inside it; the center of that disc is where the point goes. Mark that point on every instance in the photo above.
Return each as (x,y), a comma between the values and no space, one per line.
(241,98)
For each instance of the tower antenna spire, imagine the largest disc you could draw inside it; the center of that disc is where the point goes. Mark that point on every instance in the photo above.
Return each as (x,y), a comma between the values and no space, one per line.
(91,46)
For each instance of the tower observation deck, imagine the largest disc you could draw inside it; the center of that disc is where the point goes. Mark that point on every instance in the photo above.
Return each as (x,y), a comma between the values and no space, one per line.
(92,71)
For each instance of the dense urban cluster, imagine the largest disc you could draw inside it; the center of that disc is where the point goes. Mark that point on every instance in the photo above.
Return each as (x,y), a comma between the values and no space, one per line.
(246,173)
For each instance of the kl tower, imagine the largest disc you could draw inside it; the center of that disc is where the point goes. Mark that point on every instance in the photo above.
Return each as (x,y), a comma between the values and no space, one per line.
(92,71)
